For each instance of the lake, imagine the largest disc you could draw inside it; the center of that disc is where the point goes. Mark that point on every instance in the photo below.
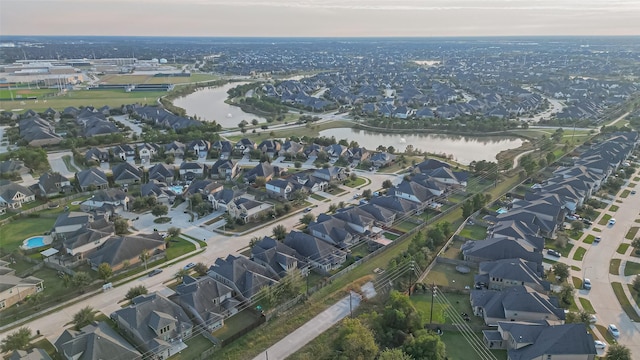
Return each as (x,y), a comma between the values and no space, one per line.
(209,105)
(464,149)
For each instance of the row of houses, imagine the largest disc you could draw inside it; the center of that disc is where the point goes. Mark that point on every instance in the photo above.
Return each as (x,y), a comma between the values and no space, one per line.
(510,291)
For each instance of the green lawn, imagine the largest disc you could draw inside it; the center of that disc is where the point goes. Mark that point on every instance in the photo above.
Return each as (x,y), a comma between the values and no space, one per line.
(614,266)
(631,234)
(317,197)
(624,302)
(196,346)
(622,249)
(390,236)
(236,323)
(13,233)
(634,294)
(178,248)
(474,232)
(596,230)
(550,244)
(614,208)
(604,220)
(353,184)
(631,268)
(575,235)
(577,282)
(405,226)
(589,239)
(579,254)
(447,275)
(625,193)
(459,304)
(605,334)
(458,348)
(586,305)
(23,93)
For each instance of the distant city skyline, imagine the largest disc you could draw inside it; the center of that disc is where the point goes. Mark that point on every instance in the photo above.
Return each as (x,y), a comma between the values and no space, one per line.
(320,18)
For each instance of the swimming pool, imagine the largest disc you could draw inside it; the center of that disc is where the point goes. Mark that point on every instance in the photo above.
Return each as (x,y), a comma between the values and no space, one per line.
(501,210)
(176,189)
(33,242)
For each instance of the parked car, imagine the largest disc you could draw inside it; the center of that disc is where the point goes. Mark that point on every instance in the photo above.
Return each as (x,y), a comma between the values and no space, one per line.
(612,221)
(597,239)
(307,209)
(586,284)
(593,319)
(633,192)
(155,272)
(600,344)
(613,330)
(553,253)
(189,266)
(587,222)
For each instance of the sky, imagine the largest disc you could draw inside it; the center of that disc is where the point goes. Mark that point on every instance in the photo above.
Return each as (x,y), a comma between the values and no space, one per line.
(320,18)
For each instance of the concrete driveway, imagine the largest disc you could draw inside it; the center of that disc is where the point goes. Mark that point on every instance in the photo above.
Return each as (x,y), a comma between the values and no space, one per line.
(58,165)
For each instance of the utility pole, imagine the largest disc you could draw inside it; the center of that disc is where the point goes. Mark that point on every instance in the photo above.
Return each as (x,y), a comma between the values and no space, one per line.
(411,270)
(350,306)
(433,293)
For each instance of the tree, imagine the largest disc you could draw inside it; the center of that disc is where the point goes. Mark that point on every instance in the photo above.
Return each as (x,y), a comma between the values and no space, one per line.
(80,280)
(180,274)
(561,270)
(174,232)
(84,317)
(260,181)
(353,176)
(144,257)
(577,226)
(136,291)
(279,232)
(160,210)
(356,341)
(121,225)
(297,164)
(201,269)
(367,194)
(467,209)
(387,184)
(307,218)
(636,243)
(566,294)
(17,340)
(105,271)
(425,345)
(298,196)
(394,354)
(618,352)
(636,283)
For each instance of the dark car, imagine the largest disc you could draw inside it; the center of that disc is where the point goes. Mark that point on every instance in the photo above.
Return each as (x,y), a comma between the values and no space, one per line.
(553,253)
(587,222)
(155,272)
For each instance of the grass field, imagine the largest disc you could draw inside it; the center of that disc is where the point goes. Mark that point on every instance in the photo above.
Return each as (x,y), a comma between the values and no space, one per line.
(150,79)
(353,184)
(447,275)
(614,266)
(474,232)
(624,302)
(178,247)
(17,94)
(77,98)
(310,131)
(579,254)
(631,268)
(13,233)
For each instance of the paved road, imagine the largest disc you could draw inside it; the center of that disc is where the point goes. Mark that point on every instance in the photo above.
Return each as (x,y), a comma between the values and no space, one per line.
(135,128)
(218,246)
(595,266)
(312,329)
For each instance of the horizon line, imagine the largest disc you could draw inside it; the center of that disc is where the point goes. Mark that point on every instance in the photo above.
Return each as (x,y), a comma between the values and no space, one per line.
(2,37)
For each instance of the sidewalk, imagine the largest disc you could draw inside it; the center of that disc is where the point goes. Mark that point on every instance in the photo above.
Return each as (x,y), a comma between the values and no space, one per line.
(312,329)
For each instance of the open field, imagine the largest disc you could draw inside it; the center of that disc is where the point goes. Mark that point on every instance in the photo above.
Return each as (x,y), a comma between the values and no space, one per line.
(19,93)
(77,98)
(150,79)
(310,131)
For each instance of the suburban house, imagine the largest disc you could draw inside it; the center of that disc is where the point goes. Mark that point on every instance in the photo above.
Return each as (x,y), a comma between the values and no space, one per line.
(278,257)
(515,303)
(499,274)
(224,169)
(244,276)
(396,204)
(309,182)
(14,289)
(414,192)
(38,132)
(335,151)
(95,341)
(263,170)
(175,148)
(331,174)
(203,187)
(53,184)
(540,340)
(499,248)
(117,251)
(124,152)
(199,148)
(193,170)
(13,167)
(155,324)
(248,210)
(110,198)
(126,174)
(291,148)
(92,179)
(319,254)
(269,147)
(224,148)
(68,222)
(428,165)
(382,159)
(221,199)
(382,217)
(87,238)
(162,172)
(33,354)
(13,195)
(205,300)
(281,188)
(447,176)
(96,154)
(159,191)
(146,152)
(244,146)
(334,231)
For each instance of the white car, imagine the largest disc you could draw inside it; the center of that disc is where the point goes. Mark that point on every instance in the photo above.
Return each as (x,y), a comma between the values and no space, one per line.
(593,319)
(599,344)
(612,221)
(613,330)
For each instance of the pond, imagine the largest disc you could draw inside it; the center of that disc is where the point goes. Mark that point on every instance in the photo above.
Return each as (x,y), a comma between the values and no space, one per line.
(464,149)
(209,105)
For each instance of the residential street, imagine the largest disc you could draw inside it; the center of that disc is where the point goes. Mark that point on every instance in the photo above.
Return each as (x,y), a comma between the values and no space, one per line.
(51,325)
(595,266)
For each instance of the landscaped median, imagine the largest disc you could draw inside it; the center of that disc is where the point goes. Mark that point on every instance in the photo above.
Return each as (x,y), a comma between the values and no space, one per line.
(624,302)
(579,254)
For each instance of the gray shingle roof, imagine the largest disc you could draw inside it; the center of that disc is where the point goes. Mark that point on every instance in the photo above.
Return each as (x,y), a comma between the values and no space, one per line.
(95,341)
